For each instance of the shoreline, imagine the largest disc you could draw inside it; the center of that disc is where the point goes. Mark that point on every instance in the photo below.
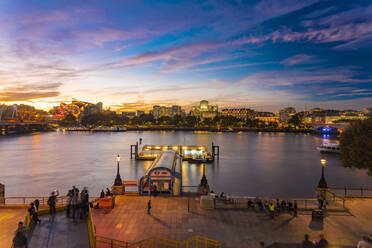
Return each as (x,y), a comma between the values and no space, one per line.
(202,129)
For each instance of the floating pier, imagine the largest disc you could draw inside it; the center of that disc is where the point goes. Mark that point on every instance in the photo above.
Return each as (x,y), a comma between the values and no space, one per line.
(191,153)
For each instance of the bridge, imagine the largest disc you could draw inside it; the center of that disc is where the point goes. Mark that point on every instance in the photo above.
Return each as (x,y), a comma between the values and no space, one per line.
(13,127)
(339,126)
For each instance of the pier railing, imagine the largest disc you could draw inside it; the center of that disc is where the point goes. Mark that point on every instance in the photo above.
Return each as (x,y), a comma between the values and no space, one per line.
(158,242)
(361,192)
(302,203)
(26,200)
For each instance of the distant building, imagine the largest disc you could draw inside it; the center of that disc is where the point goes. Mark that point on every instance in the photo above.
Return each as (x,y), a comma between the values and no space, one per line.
(128,114)
(139,113)
(204,110)
(286,114)
(367,111)
(267,117)
(239,113)
(79,109)
(162,111)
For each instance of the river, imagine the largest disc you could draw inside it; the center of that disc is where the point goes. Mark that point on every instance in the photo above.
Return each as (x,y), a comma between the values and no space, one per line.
(265,164)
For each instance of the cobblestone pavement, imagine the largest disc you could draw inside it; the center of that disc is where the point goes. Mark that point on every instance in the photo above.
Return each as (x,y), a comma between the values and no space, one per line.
(170,218)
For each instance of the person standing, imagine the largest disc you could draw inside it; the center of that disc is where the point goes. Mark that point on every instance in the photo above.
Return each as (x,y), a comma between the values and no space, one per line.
(74,203)
(295,208)
(69,200)
(323,243)
(20,238)
(306,243)
(37,204)
(149,207)
(364,243)
(272,210)
(33,213)
(52,203)
(102,194)
(84,202)
(290,207)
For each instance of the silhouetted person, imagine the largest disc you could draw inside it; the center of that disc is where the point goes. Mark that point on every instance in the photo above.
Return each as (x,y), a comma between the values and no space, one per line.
(69,200)
(52,203)
(306,243)
(20,238)
(108,192)
(33,213)
(290,207)
(284,205)
(102,194)
(149,207)
(295,209)
(37,204)
(323,243)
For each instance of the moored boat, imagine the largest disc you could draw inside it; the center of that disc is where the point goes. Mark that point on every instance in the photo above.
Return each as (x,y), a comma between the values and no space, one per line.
(329,147)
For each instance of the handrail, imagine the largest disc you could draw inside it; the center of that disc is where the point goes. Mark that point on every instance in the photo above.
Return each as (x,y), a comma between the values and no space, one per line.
(154,241)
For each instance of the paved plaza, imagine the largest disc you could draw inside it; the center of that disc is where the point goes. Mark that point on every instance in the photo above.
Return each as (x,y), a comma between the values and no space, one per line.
(9,219)
(170,218)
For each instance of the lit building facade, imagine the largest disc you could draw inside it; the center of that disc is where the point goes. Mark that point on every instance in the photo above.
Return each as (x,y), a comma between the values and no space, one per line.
(162,111)
(204,110)
(286,114)
(239,113)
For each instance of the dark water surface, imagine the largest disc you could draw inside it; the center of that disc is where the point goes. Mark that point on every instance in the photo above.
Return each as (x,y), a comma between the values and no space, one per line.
(268,164)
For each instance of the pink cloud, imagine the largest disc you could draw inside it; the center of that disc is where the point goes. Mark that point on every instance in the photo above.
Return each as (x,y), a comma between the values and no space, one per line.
(299,59)
(46,17)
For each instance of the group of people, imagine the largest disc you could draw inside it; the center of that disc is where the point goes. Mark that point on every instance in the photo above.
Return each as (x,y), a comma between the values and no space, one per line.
(321,243)
(33,211)
(274,209)
(77,203)
(108,193)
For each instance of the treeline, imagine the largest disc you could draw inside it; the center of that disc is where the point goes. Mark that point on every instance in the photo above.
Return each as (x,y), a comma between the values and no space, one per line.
(356,145)
(20,112)
(112,119)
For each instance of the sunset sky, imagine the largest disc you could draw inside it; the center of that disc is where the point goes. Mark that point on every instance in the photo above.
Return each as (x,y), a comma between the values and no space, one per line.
(264,54)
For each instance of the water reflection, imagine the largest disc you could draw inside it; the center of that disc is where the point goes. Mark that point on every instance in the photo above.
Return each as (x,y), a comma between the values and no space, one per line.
(271,164)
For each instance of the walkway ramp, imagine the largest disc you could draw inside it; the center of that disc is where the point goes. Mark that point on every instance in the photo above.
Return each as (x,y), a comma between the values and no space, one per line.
(59,233)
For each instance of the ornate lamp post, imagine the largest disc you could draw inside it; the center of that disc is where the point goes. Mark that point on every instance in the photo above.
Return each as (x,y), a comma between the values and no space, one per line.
(322,187)
(322,182)
(203,188)
(118,181)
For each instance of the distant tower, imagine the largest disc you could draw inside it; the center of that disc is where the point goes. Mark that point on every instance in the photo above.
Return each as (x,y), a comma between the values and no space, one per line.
(15,112)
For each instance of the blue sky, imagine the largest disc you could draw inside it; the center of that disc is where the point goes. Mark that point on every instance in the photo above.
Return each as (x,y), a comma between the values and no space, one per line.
(264,54)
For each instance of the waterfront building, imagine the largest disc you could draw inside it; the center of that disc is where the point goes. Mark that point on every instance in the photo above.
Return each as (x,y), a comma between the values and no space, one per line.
(239,113)
(139,113)
(128,114)
(204,110)
(77,108)
(267,117)
(162,111)
(286,114)
(367,112)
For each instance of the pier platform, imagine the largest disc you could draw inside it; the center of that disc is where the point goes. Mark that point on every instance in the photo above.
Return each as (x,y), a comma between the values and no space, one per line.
(175,218)
(9,218)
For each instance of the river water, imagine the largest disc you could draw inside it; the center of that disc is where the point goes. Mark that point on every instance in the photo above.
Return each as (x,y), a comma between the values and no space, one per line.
(265,164)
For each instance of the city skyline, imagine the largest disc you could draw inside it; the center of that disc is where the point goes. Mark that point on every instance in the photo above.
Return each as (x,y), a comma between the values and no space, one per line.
(264,54)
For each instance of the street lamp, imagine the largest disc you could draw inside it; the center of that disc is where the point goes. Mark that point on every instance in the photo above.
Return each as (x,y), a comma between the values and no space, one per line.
(322,182)
(118,181)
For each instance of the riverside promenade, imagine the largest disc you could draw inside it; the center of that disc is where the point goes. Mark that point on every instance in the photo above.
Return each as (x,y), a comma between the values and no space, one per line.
(171,219)
(9,219)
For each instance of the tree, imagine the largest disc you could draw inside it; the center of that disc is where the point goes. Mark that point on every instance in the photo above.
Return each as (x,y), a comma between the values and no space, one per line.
(356,145)
(295,121)
(69,120)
